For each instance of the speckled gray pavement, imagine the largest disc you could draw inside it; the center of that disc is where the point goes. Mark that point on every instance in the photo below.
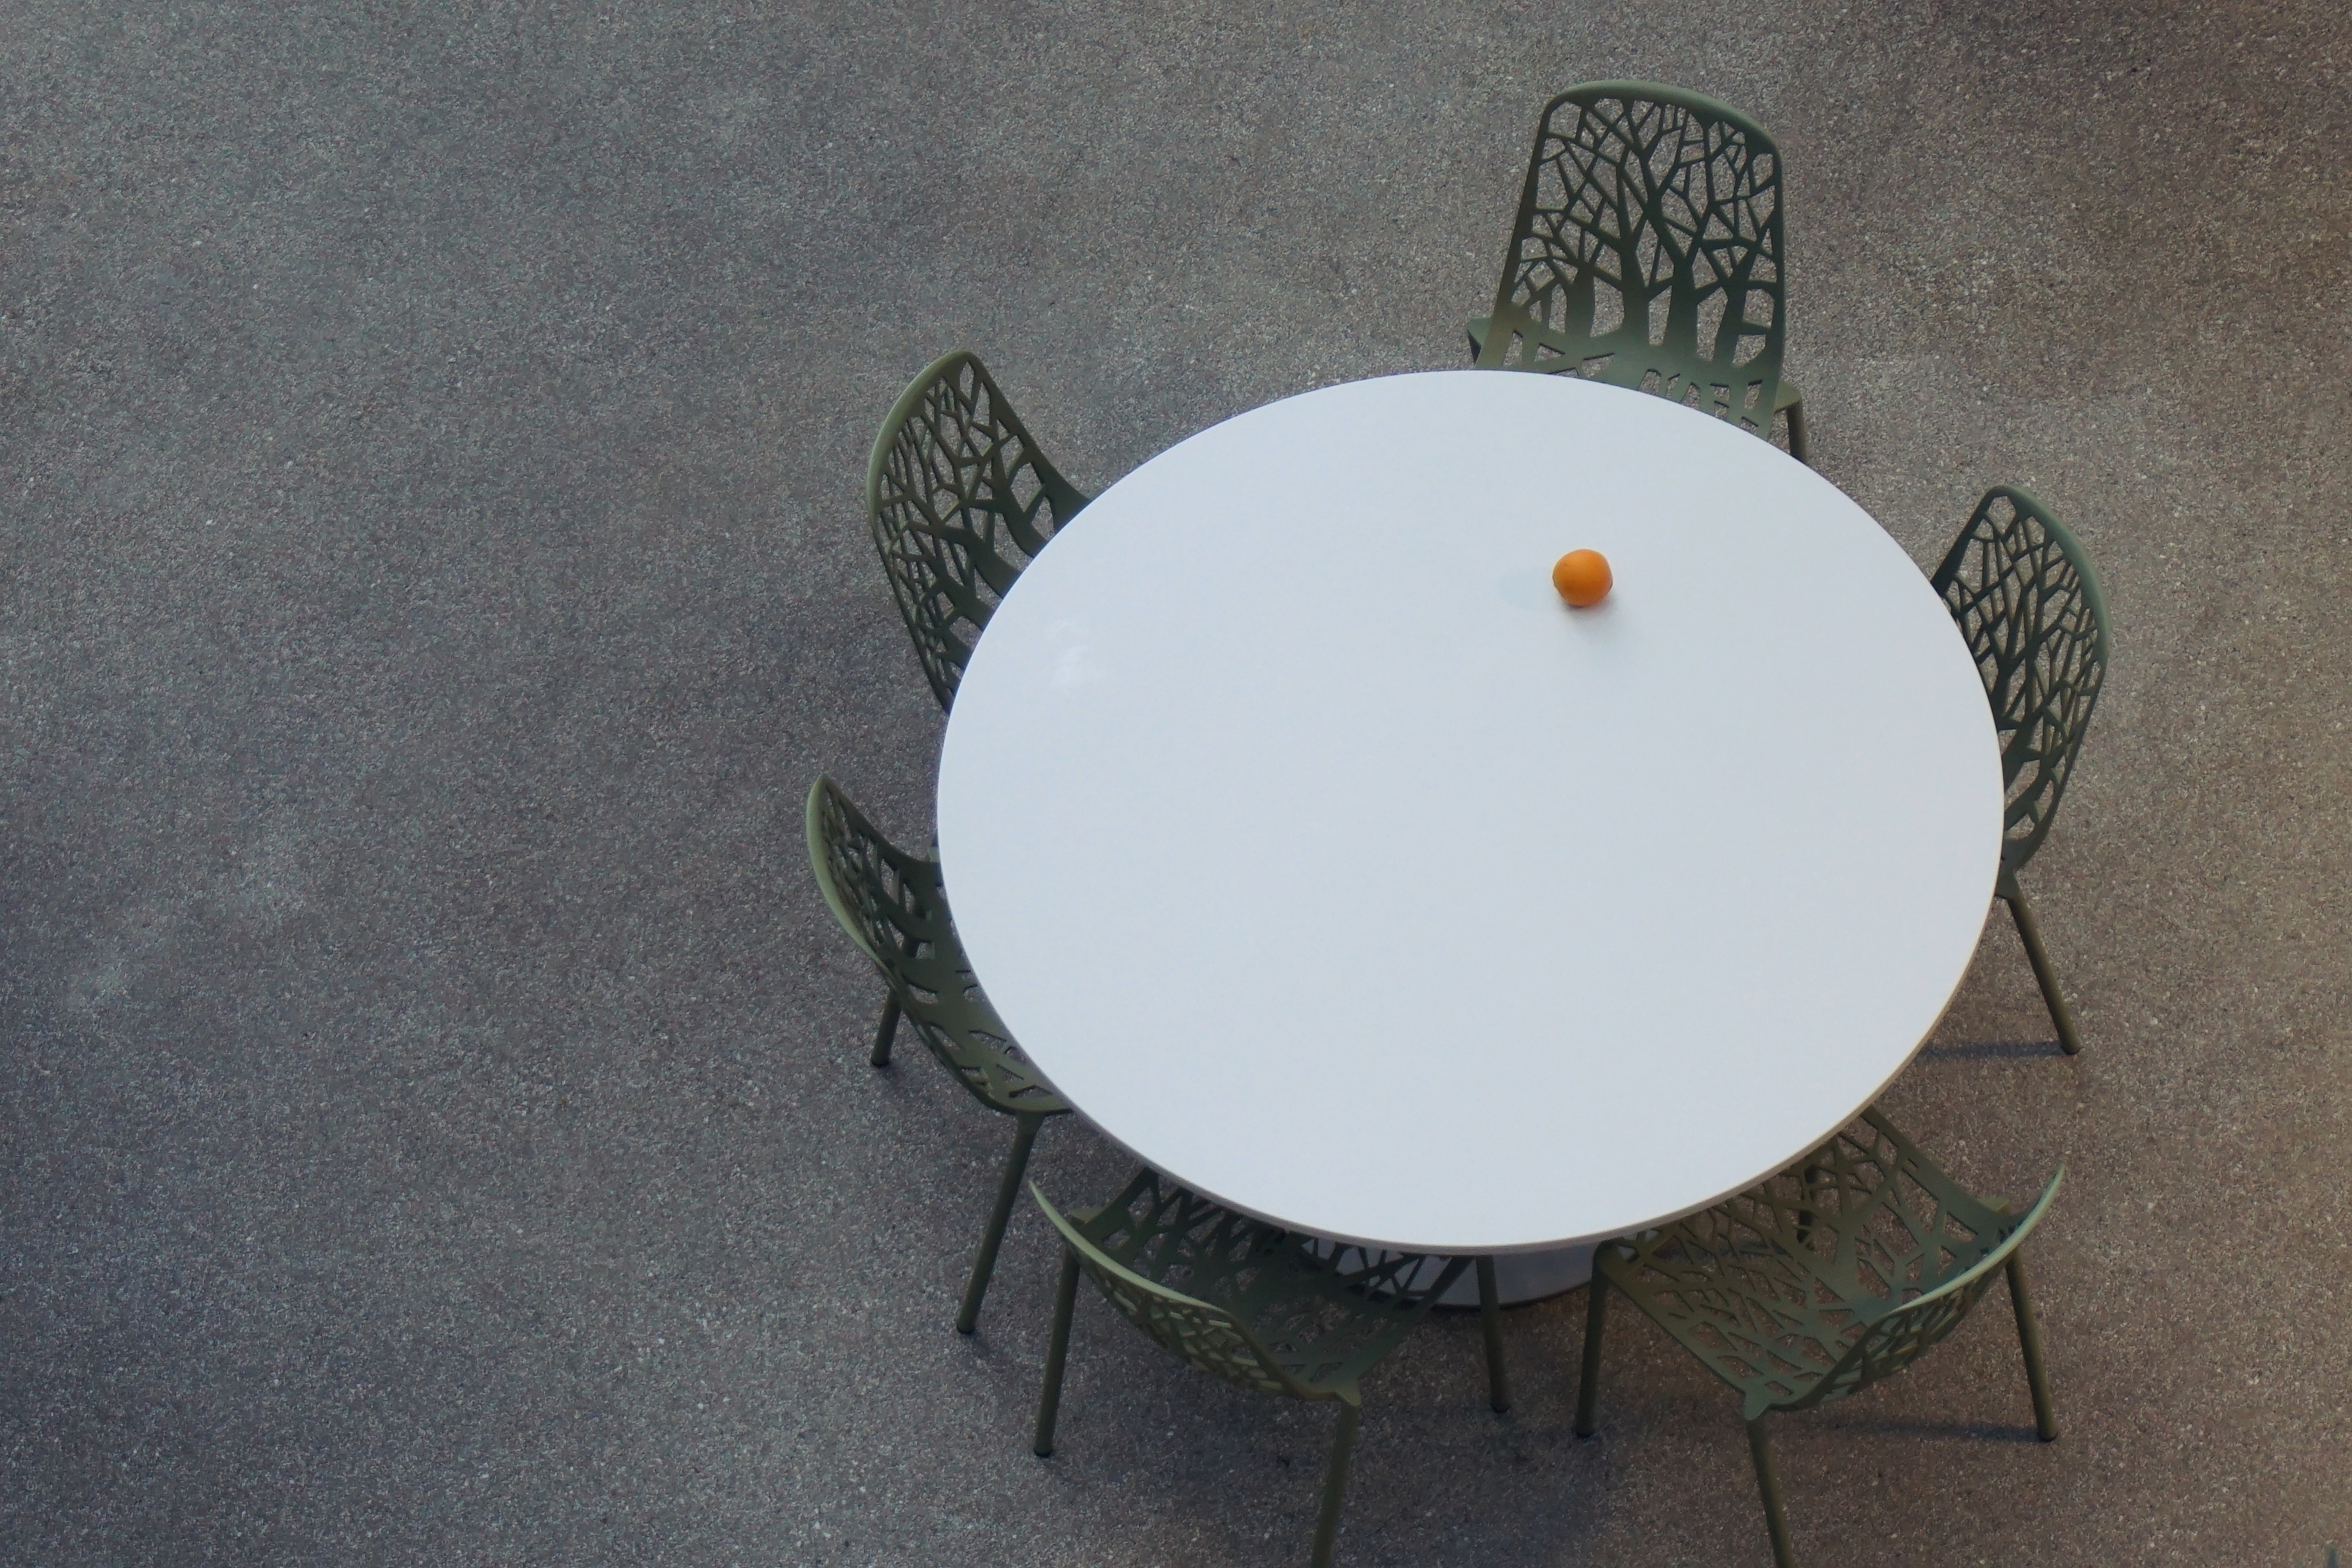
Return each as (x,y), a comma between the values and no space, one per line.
(433,1119)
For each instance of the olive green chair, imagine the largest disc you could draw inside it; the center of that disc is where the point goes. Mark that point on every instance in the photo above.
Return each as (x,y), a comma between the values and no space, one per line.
(1263,1308)
(959,500)
(1839,1271)
(1647,253)
(891,905)
(2020,586)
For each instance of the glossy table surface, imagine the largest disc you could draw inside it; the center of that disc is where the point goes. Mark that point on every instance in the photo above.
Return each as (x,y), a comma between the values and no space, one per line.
(1330,863)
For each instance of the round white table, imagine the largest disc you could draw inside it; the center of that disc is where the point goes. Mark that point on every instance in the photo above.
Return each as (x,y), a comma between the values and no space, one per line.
(1326,861)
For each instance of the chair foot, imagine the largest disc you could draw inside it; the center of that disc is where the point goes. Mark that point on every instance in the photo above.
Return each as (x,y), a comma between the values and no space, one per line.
(1588,1382)
(1057,1352)
(887,1033)
(2029,1340)
(1335,1484)
(2029,931)
(1498,1382)
(1776,1518)
(1009,1188)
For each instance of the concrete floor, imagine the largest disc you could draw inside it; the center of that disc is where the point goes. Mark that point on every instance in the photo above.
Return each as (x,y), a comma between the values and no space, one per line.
(433,1119)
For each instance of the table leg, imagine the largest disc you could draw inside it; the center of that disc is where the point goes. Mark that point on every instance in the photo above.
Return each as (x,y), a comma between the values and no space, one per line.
(1521,1276)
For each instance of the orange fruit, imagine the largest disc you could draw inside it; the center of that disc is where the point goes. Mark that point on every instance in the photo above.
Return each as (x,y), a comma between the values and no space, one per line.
(1583,577)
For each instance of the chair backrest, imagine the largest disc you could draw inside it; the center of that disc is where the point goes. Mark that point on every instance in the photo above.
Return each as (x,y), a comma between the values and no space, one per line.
(1646,251)
(2019,585)
(1211,1338)
(1901,1243)
(892,905)
(960,500)
(1250,1302)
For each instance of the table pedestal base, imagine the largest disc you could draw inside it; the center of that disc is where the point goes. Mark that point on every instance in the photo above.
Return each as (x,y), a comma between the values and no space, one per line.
(1525,1277)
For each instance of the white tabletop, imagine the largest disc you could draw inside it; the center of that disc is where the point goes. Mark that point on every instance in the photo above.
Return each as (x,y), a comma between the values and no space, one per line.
(1329,863)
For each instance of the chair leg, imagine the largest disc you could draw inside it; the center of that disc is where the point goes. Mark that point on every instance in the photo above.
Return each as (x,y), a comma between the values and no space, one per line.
(1798,447)
(1776,1518)
(2031,935)
(2029,1340)
(1498,1382)
(1006,1191)
(1587,1382)
(1057,1351)
(1335,1484)
(887,1033)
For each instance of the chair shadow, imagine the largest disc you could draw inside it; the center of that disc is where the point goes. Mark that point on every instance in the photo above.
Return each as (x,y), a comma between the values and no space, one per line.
(1947,1431)
(1992,1050)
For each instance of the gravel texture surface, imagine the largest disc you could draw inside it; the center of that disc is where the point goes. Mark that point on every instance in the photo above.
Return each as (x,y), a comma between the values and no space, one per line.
(433,1119)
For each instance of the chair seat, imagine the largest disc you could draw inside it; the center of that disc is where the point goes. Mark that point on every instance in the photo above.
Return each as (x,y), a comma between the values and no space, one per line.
(1323,1314)
(893,907)
(1763,1332)
(1784,398)
(1843,1269)
(1257,1306)
(1778,1290)
(2023,594)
